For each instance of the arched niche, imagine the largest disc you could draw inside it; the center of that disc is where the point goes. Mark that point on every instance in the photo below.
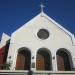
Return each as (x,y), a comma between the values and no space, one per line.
(43,59)
(64,60)
(23,61)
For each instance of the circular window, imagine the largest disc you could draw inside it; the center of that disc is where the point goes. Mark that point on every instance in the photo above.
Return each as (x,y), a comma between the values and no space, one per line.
(43,34)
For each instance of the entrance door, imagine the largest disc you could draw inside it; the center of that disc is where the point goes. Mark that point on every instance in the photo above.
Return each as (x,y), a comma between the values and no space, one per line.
(60,62)
(20,62)
(40,62)
(43,60)
(63,60)
(23,59)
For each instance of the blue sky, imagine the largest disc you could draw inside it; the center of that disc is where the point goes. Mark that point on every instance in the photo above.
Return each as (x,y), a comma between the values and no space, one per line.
(15,13)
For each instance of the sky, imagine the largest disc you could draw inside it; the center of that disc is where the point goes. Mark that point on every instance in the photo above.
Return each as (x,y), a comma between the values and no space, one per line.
(15,13)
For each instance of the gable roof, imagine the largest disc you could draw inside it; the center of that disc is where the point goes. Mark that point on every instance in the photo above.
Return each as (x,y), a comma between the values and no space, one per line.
(42,14)
(4,39)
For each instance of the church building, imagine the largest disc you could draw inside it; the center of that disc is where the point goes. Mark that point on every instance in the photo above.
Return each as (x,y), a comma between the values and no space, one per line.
(39,45)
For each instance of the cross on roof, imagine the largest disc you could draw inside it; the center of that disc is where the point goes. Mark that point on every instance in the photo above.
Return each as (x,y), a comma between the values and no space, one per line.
(42,7)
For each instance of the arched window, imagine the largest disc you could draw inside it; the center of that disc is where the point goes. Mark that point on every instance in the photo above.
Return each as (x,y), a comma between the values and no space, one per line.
(43,59)
(64,60)
(23,59)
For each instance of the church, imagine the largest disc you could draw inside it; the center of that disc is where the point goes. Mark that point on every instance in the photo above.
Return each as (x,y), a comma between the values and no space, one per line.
(41,44)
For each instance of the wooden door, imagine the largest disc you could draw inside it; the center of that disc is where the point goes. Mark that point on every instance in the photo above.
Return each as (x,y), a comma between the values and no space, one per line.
(60,63)
(40,65)
(20,62)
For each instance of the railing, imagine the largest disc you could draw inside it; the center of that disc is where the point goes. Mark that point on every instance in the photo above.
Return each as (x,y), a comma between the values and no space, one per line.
(8,72)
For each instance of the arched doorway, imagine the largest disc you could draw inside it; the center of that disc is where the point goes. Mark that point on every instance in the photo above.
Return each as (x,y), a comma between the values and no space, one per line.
(23,59)
(64,60)
(43,59)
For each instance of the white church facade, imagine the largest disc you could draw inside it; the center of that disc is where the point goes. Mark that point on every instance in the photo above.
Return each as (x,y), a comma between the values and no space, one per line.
(42,44)
(45,44)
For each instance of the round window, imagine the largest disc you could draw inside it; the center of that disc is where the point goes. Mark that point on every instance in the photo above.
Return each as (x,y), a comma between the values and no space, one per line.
(43,34)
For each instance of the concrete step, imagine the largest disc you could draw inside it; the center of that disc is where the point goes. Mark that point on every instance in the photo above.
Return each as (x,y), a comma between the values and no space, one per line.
(21,72)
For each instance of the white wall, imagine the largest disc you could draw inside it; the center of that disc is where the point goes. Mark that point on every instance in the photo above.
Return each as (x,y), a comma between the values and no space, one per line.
(26,36)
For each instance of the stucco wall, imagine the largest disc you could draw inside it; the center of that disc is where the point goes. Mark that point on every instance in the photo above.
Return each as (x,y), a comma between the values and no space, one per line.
(27,37)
